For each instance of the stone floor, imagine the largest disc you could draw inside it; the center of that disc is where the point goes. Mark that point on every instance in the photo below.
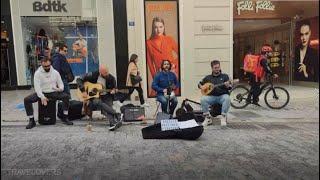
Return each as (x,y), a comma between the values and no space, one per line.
(258,143)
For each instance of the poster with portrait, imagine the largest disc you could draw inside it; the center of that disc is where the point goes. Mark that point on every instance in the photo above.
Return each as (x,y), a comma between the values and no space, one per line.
(82,42)
(306,53)
(162,39)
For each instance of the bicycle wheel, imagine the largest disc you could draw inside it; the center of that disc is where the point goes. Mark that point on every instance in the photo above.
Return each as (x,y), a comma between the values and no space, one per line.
(277,97)
(238,97)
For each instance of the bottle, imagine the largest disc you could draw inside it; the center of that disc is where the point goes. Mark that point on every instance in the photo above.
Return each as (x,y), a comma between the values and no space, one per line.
(89,127)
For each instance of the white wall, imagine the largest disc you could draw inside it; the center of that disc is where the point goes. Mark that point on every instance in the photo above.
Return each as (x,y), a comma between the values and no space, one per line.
(18,43)
(106,41)
(197,48)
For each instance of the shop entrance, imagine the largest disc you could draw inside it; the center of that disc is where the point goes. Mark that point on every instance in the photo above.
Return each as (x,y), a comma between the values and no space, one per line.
(43,35)
(278,36)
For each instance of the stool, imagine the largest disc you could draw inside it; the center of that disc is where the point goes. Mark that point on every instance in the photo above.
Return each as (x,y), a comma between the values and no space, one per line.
(47,114)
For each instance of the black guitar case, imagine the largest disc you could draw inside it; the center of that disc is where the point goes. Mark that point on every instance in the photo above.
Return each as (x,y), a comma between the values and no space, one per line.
(154,132)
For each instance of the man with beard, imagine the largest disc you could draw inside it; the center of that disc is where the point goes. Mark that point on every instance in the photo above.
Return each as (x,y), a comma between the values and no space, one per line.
(48,85)
(164,83)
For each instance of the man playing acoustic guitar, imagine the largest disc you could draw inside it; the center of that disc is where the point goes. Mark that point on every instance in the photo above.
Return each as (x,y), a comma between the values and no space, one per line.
(215,95)
(104,102)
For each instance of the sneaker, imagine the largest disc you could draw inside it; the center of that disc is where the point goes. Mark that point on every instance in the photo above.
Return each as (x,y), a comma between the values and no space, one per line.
(112,127)
(224,121)
(207,121)
(118,123)
(115,126)
(145,105)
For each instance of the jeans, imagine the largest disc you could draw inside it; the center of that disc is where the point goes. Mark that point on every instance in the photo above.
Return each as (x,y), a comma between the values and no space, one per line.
(105,105)
(32,98)
(66,87)
(207,101)
(164,103)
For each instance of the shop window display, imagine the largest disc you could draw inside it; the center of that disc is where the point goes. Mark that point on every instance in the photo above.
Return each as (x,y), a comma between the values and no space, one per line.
(43,36)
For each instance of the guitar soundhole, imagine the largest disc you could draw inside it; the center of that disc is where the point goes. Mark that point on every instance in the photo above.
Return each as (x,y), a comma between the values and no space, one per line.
(93,92)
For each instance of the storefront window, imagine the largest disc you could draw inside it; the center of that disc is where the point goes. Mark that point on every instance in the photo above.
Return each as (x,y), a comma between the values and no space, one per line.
(43,35)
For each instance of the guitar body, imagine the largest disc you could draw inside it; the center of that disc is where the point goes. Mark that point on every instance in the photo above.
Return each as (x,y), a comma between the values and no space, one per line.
(208,87)
(94,88)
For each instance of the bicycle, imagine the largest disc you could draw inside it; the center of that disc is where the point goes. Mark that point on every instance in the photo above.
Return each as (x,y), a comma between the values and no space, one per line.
(275,97)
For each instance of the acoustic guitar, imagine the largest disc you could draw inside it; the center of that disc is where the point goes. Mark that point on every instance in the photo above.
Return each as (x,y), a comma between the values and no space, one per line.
(208,87)
(94,90)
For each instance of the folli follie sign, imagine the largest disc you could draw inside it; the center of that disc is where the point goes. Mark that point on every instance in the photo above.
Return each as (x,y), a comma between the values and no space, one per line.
(244,9)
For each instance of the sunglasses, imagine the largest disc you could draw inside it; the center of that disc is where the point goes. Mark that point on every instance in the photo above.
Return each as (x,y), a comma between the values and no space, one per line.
(65,50)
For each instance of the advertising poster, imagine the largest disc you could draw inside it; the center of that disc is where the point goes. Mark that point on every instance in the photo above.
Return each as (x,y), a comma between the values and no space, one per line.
(82,45)
(162,39)
(306,54)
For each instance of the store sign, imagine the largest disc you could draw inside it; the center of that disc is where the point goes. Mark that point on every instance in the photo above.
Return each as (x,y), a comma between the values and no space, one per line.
(55,6)
(211,28)
(247,5)
(50,8)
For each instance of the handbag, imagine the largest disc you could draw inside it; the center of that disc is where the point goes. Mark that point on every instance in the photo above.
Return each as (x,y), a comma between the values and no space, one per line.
(135,79)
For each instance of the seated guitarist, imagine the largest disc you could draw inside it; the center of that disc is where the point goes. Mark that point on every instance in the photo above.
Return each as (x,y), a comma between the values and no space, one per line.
(105,101)
(219,95)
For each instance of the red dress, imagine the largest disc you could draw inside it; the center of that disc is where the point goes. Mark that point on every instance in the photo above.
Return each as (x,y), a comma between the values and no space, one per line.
(162,48)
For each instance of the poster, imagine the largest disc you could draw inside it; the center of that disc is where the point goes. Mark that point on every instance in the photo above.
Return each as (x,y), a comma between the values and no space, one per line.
(306,53)
(162,39)
(82,42)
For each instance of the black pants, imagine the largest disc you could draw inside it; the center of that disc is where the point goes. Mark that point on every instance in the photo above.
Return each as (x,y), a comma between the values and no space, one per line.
(255,88)
(32,98)
(131,89)
(105,105)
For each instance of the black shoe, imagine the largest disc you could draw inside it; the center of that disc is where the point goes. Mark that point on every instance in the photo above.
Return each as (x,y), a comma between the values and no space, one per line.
(66,121)
(31,124)
(118,123)
(257,104)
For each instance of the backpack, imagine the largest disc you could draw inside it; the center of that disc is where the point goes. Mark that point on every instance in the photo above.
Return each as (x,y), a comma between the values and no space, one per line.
(250,63)
(259,72)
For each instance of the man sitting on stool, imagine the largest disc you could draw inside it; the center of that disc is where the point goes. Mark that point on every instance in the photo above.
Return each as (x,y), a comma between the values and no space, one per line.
(163,83)
(48,85)
(219,95)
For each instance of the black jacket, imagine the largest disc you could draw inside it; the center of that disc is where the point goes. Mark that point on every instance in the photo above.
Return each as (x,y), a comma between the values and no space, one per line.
(93,78)
(215,80)
(60,63)
(312,64)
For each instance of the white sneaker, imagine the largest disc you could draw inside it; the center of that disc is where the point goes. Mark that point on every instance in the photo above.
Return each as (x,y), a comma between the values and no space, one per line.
(224,120)
(207,121)
(145,105)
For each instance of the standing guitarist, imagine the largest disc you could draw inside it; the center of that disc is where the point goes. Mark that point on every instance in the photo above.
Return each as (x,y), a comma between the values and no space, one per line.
(104,102)
(218,95)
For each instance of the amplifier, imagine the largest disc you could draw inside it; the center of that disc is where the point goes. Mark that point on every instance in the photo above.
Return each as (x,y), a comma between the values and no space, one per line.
(135,113)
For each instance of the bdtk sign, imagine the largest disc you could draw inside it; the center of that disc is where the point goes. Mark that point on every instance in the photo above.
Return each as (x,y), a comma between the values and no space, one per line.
(49,6)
